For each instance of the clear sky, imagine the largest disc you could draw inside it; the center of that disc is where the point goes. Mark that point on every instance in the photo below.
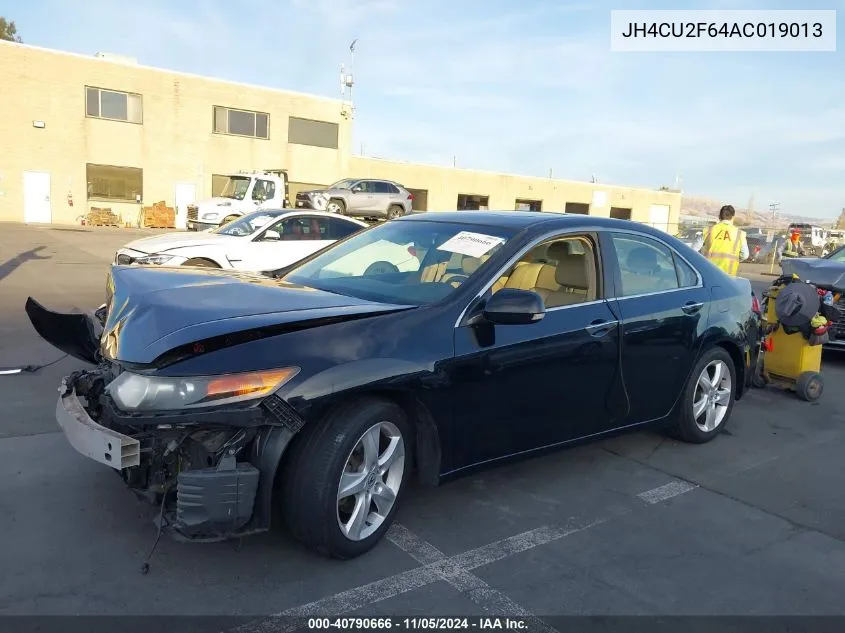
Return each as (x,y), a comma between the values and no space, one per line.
(522,87)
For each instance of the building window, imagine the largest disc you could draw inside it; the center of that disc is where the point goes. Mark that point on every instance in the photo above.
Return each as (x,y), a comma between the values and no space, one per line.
(620,213)
(313,133)
(581,208)
(111,104)
(108,182)
(528,205)
(470,202)
(241,122)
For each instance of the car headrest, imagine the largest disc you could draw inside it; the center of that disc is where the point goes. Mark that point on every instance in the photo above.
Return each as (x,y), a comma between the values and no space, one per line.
(470,264)
(642,260)
(571,271)
(558,250)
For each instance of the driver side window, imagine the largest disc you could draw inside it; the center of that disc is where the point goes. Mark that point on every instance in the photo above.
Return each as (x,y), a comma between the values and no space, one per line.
(562,271)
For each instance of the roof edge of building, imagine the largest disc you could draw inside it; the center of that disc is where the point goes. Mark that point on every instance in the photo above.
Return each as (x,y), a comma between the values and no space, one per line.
(180,73)
(521,176)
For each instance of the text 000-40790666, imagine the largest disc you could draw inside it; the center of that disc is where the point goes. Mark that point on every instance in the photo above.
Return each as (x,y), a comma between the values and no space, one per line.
(723,31)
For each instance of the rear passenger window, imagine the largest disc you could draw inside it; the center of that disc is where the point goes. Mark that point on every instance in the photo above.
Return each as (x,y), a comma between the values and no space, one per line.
(645,265)
(562,272)
(687,277)
(341,228)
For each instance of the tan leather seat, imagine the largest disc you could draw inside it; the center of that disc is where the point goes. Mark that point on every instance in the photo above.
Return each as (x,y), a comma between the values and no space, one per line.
(574,276)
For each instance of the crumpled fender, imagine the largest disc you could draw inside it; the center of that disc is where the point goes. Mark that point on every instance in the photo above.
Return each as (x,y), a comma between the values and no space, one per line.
(77,335)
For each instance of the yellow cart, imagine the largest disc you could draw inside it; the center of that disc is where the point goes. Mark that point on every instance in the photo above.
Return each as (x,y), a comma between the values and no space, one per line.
(788,360)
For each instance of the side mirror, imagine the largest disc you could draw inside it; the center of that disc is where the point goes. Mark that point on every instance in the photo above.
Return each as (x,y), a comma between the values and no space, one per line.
(357,189)
(271,236)
(510,306)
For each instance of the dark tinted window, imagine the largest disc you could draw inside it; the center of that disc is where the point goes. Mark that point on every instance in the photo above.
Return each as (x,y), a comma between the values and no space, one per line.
(338,229)
(686,275)
(645,265)
(385,187)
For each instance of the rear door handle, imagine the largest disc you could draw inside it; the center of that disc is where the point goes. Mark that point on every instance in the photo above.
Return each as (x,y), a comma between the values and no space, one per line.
(691,307)
(600,327)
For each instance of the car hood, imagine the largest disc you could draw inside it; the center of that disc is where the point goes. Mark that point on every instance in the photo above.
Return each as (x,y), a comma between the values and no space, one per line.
(169,241)
(155,316)
(821,272)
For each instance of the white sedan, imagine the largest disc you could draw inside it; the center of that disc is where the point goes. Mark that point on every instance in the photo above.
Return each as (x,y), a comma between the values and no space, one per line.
(260,241)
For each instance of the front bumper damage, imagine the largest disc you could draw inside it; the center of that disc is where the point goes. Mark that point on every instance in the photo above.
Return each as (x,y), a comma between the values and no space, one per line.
(210,472)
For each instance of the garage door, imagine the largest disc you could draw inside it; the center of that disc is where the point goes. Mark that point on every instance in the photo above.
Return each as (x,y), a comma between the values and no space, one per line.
(658,216)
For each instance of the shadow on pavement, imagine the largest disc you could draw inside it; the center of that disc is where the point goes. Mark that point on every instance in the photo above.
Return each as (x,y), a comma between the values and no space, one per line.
(10,265)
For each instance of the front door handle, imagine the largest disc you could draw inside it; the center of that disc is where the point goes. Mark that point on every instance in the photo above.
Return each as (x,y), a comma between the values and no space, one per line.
(691,307)
(600,327)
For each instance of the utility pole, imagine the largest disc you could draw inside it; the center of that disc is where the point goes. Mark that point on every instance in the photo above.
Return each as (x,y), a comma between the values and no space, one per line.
(774,207)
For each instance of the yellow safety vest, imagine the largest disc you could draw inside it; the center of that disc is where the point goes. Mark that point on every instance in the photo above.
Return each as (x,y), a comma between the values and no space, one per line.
(723,245)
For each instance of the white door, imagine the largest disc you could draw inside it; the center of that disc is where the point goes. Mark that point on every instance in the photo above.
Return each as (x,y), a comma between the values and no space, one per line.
(186,193)
(36,197)
(299,237)
(658,216)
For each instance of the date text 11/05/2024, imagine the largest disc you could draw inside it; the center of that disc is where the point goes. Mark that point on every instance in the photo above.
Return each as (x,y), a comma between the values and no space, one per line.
(478,623)
(712,29)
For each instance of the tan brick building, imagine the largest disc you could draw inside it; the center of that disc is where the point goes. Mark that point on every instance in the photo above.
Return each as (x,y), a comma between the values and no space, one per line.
(80,132)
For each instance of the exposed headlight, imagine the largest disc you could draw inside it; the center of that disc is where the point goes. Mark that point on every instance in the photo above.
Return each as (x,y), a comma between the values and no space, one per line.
(209,216)
(134,392)
(156,258)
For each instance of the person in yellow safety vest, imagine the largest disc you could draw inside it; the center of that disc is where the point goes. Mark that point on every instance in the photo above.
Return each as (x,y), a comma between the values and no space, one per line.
(723,243)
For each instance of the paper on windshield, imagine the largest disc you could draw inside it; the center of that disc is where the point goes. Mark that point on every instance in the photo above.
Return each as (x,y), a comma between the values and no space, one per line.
(261,220)
(470,244)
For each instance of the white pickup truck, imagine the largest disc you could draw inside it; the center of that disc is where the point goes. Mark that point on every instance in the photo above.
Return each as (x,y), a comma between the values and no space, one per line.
(243,193)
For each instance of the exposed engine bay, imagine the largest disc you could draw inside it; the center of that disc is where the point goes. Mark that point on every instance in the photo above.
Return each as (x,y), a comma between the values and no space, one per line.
(211,480)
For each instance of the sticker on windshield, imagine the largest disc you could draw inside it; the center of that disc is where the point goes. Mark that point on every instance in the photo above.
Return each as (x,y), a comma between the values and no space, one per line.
(260,220)
(470,244)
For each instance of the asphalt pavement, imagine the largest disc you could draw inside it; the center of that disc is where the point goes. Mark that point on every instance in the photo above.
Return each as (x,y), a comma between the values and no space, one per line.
(751,523)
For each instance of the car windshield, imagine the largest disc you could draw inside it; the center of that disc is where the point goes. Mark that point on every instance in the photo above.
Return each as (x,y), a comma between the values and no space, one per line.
(235,188)
(248,224)
(405,263)
(343,184)
(838,255)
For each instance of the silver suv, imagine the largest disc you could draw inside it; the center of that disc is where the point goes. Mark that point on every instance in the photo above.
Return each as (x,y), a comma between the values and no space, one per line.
(359,198)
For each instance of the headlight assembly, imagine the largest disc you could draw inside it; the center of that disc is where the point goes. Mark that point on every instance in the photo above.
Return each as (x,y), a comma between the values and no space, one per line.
(155,259)
(134,392)
(209,216)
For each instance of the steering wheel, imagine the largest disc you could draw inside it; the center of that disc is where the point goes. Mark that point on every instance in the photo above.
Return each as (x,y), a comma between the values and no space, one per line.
(457,278)
(380,268)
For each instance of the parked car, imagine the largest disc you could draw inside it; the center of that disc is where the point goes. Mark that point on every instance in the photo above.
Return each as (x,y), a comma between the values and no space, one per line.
(517,332)
(261,240)
(360,198)
(828,271)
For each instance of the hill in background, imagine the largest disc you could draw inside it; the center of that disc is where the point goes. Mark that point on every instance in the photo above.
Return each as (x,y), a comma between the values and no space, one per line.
(706,207)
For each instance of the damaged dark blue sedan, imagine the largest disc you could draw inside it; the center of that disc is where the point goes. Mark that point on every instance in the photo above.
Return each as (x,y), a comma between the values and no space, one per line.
(323,386)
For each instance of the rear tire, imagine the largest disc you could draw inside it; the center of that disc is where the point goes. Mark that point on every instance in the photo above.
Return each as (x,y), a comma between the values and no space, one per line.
(336,450)
(809,386)
(395,211)
(706,404)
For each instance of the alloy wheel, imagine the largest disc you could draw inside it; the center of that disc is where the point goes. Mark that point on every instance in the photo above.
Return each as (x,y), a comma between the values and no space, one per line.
(333,207)
(370,482)
(712,396)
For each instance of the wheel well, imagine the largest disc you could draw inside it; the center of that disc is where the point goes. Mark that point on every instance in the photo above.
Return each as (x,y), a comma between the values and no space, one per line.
(201,259)
(427,446)
(739,363)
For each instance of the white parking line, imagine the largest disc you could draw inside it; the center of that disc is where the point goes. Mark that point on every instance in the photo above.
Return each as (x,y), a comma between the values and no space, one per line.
(491,600)
(436,566)
(667,491)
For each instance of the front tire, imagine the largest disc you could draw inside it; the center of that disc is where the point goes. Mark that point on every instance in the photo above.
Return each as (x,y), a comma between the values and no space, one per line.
(708,398)
(336,206)
(346,475)
(229,218)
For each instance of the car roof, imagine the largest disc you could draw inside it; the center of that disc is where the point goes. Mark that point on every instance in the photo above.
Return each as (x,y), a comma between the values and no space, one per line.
(525,219)
(290,213)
